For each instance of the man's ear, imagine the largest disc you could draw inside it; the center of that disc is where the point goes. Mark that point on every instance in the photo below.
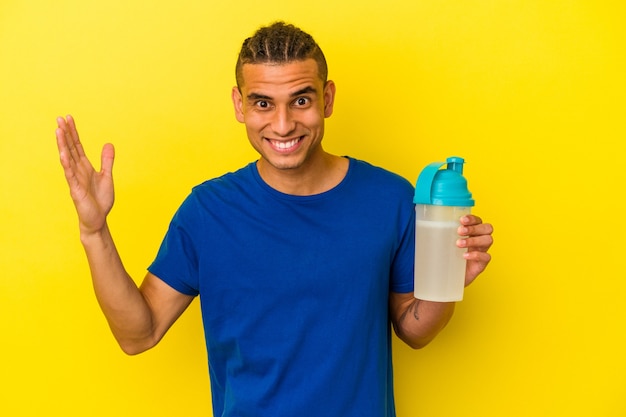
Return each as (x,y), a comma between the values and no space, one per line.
(238,104)
(329,98)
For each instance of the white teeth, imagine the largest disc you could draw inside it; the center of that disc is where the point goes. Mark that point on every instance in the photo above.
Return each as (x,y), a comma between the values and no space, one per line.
(285,145)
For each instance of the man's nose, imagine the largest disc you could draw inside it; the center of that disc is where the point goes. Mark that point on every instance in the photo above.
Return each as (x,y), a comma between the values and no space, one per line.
(283,122)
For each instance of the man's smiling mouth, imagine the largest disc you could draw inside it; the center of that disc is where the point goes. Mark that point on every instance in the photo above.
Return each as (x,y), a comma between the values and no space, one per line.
(285,145)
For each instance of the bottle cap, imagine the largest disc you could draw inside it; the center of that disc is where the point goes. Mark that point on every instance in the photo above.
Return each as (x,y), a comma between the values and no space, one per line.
(443,187)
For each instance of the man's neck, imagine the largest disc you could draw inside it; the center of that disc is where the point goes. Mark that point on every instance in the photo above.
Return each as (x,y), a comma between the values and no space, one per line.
(315,178)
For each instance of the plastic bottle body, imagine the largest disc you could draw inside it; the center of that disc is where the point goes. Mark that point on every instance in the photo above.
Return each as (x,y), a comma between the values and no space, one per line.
(439,263)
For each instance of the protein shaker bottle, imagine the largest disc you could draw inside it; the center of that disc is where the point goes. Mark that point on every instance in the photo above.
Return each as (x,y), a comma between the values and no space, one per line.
(441,199)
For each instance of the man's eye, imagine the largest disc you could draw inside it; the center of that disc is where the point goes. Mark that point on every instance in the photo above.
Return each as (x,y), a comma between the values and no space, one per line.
(262,104)
(302,101)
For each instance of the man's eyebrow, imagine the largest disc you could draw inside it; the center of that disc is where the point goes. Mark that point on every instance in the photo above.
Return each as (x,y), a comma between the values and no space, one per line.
(306,90)
(256,96)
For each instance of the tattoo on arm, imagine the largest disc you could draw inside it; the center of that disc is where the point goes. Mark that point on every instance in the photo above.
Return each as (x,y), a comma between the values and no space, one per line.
(413,308)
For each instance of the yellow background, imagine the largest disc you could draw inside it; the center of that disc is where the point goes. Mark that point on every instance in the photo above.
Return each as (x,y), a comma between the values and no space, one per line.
(530,92)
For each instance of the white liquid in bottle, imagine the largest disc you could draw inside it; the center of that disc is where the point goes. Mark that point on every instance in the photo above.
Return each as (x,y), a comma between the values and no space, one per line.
(439,263)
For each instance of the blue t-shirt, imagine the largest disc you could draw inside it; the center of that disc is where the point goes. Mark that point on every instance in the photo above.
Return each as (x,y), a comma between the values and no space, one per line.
(294,290)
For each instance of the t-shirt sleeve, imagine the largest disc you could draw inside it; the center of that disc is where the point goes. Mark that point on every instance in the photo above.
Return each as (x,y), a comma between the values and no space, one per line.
(404,260)
(176,262)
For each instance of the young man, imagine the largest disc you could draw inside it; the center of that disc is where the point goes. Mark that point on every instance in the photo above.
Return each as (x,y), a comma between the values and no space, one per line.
(303,260)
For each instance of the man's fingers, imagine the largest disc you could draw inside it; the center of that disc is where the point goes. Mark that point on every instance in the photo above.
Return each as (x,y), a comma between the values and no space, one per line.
(69,143)
(476,229)
(107,158)
(480,243)
(73,132)
(65,153)
(71,137)
(470,219)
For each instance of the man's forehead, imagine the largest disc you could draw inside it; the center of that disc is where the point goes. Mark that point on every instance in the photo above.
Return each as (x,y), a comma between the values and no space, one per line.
(280,72)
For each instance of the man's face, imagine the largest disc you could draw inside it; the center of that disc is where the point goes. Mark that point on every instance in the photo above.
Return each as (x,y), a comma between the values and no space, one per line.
(283,107)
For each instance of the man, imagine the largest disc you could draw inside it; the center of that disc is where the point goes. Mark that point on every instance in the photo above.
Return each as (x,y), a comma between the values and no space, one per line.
(303,260)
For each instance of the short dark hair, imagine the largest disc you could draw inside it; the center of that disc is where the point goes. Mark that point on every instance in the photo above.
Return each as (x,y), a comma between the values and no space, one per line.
(280,43)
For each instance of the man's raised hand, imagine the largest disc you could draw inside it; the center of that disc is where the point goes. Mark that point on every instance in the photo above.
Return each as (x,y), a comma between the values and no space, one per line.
(91,191)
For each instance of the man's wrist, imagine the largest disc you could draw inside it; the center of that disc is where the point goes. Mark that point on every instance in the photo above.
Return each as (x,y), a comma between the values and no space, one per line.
(90,237)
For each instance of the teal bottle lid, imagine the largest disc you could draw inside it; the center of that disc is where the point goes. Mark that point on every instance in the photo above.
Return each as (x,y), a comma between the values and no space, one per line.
(443,187)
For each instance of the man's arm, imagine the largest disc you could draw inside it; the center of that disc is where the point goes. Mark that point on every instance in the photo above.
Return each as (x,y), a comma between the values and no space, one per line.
(138,317)
(417,322)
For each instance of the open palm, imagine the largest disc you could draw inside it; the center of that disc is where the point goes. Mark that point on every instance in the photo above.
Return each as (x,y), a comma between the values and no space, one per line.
(91,191)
